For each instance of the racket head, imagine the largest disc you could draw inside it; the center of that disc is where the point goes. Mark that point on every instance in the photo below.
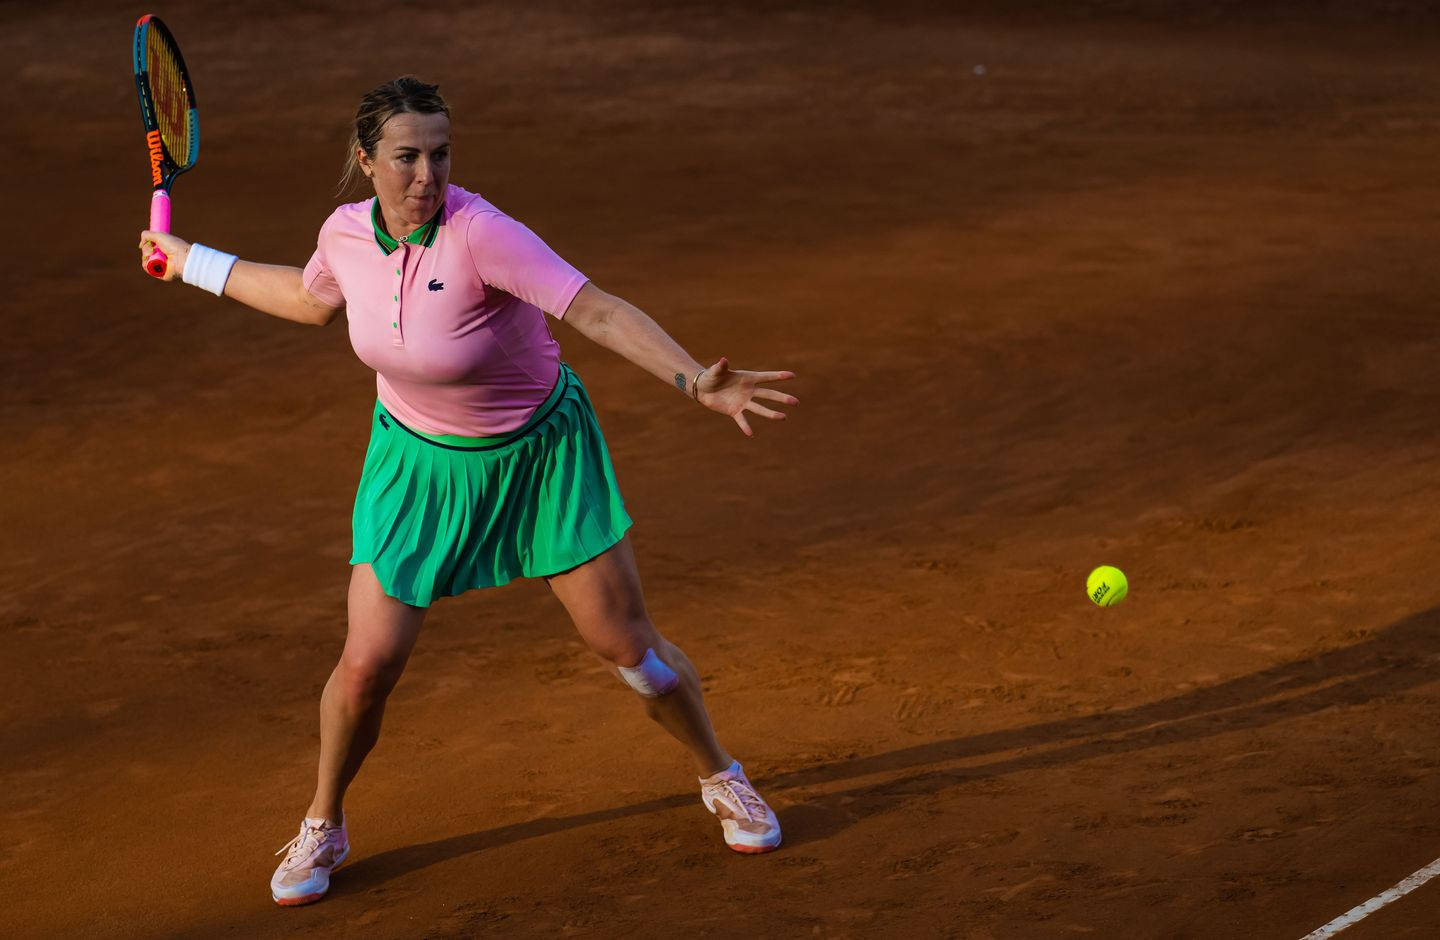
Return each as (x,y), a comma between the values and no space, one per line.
(167,102)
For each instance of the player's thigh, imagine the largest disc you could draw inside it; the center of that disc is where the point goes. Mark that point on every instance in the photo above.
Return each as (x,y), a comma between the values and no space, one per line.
(382,629)
(604,599)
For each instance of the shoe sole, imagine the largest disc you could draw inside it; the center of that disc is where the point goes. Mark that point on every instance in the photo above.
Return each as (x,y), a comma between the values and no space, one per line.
(311,898)
(729,827)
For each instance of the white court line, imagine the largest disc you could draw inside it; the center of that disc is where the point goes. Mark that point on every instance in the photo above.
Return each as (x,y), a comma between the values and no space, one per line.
(1360,912)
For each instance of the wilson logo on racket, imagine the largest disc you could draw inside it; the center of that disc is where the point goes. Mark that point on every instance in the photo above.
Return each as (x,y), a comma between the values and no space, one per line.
(157,156)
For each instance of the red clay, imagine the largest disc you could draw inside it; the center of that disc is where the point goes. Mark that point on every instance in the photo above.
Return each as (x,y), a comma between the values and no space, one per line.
(1151,291)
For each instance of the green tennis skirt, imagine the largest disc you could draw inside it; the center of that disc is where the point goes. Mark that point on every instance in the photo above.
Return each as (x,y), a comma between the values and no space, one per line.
(439,514)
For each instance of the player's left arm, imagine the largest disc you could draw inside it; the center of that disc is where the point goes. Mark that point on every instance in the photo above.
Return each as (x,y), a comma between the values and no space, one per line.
(625,329)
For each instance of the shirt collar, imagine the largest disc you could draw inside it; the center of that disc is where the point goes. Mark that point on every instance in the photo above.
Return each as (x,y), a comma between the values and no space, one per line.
(424,235)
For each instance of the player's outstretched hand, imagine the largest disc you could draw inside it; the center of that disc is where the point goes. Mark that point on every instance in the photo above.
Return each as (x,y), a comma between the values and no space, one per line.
(734,392)
(175,250)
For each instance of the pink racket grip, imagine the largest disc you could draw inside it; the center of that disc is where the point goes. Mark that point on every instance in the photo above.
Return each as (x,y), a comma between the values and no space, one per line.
(156,262)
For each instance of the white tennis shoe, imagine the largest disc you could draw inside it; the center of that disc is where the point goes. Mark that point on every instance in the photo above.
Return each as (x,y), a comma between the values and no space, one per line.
(304,876)
(749,823)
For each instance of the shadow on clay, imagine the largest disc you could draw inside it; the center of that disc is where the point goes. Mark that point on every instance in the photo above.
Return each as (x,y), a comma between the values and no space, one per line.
(1396,658)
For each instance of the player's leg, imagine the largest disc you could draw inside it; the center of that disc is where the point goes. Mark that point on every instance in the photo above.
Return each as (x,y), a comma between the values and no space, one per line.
(381,635)
(605,600)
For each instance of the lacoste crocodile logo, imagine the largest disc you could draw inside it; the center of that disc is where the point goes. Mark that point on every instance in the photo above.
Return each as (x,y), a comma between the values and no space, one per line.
(435,285)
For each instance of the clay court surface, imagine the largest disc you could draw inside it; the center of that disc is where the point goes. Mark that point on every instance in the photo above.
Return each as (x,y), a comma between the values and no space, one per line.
(1156,291)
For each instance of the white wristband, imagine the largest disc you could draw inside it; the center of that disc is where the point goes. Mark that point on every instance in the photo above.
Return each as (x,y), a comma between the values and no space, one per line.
(207,268)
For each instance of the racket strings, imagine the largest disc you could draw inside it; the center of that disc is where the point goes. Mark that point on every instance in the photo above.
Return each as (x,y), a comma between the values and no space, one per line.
(172,103)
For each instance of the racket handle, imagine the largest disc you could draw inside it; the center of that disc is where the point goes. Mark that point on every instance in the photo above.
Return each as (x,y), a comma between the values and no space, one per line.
(156,262)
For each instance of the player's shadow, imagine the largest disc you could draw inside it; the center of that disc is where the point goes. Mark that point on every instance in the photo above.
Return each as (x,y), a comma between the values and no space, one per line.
(1394,659)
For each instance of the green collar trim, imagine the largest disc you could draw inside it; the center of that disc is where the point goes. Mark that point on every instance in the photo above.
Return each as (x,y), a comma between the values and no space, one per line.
(424,235)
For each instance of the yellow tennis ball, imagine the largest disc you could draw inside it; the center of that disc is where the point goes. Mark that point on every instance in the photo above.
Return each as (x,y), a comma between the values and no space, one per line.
(1107,586)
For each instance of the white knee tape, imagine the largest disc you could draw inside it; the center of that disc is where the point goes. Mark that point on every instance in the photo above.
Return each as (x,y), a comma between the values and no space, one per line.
(652,678)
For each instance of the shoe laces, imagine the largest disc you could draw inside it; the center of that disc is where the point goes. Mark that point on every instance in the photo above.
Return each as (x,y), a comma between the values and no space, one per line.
(305,843)
(750,803)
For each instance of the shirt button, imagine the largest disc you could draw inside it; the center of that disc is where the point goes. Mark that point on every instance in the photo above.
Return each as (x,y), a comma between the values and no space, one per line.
(396,297)
(395,326)
(397,270)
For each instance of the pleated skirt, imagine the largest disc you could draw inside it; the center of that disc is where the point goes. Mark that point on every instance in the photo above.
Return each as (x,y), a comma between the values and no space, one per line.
(437,515)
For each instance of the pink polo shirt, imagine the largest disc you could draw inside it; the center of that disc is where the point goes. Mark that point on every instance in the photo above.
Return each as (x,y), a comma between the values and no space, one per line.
(451,319)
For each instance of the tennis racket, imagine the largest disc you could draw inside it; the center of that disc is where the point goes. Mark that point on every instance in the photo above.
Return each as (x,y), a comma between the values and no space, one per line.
(172,126)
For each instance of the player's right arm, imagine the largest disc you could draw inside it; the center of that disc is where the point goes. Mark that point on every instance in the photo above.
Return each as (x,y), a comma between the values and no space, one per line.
(275,289)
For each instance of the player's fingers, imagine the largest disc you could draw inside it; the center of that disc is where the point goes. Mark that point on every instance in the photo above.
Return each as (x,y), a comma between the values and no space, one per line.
(769,394)
(764,412)
(773,376)
(744,425)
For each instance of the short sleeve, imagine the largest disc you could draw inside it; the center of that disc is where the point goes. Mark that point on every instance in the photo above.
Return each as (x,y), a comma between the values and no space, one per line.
(318,278)
(509,256)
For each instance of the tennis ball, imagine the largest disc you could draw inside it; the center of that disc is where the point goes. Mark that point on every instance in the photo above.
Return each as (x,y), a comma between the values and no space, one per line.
(1107,586)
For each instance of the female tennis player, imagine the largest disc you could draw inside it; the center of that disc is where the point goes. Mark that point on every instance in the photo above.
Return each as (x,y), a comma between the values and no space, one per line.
(485,460)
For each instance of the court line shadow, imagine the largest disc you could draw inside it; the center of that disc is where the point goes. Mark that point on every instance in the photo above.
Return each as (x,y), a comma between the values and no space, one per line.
(1396,658)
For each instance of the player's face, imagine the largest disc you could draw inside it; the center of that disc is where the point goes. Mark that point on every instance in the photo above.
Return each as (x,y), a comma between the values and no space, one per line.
(410,168)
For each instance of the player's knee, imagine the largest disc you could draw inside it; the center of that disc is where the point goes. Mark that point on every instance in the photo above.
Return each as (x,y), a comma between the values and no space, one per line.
(623,641)
(366,680)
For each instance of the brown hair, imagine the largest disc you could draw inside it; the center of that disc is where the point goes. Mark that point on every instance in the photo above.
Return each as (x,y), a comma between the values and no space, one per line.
(406,94)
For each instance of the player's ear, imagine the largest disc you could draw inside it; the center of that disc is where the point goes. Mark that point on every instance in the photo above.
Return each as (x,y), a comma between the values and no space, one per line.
(364,160)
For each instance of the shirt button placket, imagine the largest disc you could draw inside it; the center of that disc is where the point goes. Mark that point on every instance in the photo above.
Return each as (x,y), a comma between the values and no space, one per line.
(397,283)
